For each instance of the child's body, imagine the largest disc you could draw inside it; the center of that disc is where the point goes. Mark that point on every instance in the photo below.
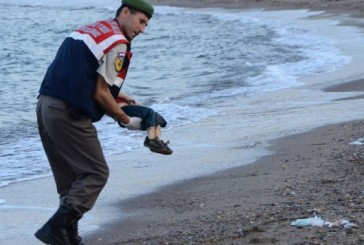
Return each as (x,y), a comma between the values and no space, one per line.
(151,122)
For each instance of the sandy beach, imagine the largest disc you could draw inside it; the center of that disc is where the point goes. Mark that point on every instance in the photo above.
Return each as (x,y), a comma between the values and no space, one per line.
(318,172)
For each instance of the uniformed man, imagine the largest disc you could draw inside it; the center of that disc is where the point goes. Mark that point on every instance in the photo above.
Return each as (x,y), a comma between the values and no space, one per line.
(79,87)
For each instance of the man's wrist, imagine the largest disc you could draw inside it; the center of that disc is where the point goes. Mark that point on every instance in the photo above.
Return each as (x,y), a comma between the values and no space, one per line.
(128,119)
(125,120)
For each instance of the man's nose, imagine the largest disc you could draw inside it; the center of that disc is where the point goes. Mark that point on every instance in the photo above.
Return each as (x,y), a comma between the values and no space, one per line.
(142,28)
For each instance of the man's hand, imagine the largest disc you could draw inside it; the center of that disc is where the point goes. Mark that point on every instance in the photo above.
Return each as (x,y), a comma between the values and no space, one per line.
(128,99)
(131,102)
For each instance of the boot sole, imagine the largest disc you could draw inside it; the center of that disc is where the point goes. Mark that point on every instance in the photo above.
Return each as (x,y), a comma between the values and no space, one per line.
(41,237)
(48,236)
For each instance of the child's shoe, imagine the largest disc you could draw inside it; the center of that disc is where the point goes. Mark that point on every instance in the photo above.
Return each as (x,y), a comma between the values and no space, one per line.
(158,146)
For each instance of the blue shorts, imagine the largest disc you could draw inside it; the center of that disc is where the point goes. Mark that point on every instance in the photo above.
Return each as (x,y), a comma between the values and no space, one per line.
(149,117)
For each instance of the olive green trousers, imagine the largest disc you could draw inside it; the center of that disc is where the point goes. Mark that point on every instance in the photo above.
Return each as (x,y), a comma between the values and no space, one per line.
(74,153)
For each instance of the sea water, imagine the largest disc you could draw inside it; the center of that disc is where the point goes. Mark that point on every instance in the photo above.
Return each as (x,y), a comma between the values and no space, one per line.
(187,61)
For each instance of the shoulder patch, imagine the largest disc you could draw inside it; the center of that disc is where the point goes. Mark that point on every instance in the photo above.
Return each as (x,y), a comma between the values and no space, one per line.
(119,60)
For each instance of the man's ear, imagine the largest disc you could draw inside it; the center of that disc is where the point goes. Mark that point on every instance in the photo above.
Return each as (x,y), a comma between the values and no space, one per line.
(125,12)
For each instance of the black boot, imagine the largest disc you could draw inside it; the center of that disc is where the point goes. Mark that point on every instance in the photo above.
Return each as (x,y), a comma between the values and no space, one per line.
(61,228)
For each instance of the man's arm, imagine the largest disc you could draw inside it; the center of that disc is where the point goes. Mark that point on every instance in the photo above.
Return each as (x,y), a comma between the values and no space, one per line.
(103,97)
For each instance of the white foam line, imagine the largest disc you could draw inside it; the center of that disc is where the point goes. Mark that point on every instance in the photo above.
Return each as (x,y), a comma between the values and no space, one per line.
(26,207)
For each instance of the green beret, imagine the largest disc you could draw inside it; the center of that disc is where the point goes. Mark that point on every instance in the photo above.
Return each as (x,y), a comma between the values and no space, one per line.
(140,5)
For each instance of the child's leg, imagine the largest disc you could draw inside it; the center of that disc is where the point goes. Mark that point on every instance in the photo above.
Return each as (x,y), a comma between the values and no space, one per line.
(152,133)
(158,131)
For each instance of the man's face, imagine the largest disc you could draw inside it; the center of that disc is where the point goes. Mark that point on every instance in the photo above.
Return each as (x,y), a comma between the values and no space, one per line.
(133,24)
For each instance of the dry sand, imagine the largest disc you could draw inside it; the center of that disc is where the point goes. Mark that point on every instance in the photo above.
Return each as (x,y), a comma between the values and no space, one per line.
(315,172)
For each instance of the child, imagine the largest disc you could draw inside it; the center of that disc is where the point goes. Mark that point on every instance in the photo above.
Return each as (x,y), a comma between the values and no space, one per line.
(151,122)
